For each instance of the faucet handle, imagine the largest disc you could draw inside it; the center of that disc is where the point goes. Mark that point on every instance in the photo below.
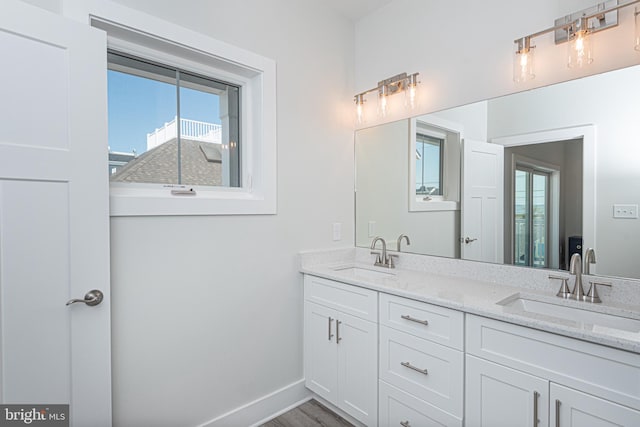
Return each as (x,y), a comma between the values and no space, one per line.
(378,258)
(564,291)
(592,295)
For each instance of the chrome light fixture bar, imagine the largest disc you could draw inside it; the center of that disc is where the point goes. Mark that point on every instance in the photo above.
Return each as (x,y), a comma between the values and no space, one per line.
(403,82)
(576,29)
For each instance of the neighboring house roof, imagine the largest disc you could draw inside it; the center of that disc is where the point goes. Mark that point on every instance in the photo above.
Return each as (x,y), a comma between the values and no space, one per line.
(121,157)
(201,164)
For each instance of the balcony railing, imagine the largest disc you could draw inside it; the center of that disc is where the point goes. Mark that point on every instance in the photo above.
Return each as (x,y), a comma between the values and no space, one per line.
(189,129)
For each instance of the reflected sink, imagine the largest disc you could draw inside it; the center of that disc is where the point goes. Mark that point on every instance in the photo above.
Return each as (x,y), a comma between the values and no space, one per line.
(364,273)
(578,316)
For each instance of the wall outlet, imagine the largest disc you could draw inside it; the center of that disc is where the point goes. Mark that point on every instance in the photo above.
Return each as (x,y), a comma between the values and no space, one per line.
(372,228)
(625,211)
(337,231)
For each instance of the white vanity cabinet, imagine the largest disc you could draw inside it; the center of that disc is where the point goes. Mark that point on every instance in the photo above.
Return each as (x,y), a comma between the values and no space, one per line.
(515,375)
(341,346)
(421,364)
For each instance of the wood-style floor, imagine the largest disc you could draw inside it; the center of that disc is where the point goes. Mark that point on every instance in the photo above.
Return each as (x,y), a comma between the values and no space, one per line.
(309,414)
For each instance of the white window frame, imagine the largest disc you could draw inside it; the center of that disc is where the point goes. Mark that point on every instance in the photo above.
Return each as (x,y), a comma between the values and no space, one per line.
(449,200)
(145,36)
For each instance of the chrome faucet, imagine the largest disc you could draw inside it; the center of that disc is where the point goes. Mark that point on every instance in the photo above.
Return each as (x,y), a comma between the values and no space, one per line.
(405,237)
(382,259)
(589,258)
(576,268)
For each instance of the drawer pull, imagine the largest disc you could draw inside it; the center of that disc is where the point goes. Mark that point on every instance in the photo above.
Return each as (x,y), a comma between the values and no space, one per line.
(410,366)
(405,423)
(412,319)
(535,408)
(330,334)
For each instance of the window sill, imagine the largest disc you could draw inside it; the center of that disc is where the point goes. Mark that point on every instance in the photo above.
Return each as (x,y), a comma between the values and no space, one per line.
(418,205)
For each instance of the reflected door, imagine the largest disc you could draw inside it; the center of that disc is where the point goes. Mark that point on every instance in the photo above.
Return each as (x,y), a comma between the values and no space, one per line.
(531,222)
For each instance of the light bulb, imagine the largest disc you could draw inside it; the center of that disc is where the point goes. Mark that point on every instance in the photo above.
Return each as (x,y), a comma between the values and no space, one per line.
(580,53)
(383,101)
(523,61)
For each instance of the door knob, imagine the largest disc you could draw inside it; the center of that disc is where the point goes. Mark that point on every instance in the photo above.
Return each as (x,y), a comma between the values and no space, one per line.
(468,240)
(93,297)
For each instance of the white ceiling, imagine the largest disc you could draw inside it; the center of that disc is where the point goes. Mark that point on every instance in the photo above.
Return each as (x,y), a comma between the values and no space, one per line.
(355,9)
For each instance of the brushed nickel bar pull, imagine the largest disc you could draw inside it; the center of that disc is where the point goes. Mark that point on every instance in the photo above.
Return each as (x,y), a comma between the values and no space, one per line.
(413,319)
(405,423)
(179,192)
(338,339)
(535,408)
(557,413)
(410,366)
(330,334)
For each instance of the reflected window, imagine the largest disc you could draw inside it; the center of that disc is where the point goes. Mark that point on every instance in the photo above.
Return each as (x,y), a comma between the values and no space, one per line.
(429,160)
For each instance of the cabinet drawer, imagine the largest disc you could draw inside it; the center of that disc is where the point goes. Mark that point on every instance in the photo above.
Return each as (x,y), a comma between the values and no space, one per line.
(350,299)
(595,369)
(429,371)
(398,408)
(438,324)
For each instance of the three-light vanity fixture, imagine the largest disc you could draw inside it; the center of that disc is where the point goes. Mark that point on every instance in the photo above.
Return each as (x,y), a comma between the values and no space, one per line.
(404,82)
(575,29)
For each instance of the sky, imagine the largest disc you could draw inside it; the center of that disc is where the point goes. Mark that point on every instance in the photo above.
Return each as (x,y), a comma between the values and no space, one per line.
(138,106)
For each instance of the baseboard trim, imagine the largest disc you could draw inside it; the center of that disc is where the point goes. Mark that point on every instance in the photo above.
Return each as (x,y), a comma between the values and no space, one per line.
(265,408)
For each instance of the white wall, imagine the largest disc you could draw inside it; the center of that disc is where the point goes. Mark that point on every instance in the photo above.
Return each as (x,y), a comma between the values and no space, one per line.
(463,49)
(207,311)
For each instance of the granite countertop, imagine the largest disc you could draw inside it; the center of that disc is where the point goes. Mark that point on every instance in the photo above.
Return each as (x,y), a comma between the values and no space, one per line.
(483,298)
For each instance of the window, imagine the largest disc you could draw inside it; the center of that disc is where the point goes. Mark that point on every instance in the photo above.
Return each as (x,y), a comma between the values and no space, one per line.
(213,134)
(434,164)
(169,126)
(429,159)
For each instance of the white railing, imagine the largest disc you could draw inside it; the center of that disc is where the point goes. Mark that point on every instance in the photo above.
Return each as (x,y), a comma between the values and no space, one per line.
(189,129)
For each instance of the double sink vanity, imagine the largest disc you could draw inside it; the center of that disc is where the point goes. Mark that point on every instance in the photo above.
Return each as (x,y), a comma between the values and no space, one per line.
(450,342)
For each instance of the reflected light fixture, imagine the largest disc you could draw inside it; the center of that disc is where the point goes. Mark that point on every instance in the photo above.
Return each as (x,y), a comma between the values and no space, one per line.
(577,30)
(385,88)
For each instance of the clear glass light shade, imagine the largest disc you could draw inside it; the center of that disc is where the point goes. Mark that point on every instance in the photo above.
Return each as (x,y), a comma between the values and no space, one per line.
(411,92)
(637,36)
(580,50)
(383,102)
(523,64)
(359,108)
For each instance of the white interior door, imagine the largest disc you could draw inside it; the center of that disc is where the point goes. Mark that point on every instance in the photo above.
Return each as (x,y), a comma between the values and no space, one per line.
(54,224)
(482,202)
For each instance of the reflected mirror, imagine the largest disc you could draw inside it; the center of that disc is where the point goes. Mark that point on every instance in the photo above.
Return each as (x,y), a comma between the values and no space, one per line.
(525,179)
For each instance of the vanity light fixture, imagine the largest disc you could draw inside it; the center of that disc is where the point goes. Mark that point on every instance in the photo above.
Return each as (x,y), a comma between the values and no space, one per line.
(385,88)
(576,29)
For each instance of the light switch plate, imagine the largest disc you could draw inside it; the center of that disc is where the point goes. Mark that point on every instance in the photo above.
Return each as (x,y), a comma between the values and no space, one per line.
(337,231)
(625,211)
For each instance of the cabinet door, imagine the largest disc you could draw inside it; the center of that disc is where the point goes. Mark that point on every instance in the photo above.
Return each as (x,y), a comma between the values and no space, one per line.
(358,368)
(320,351)
(498,396)
(571,408)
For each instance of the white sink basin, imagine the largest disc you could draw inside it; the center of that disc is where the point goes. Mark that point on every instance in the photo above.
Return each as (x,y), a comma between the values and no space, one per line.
(364,273)
(578,316)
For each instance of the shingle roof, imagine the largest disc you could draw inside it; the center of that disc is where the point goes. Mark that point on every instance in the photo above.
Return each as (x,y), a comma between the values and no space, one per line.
(201,164)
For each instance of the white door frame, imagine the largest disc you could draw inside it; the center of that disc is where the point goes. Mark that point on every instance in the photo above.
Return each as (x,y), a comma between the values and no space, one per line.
(588,135)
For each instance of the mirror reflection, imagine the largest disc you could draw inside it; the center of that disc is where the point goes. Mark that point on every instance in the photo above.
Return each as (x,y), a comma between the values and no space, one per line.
(526,179)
